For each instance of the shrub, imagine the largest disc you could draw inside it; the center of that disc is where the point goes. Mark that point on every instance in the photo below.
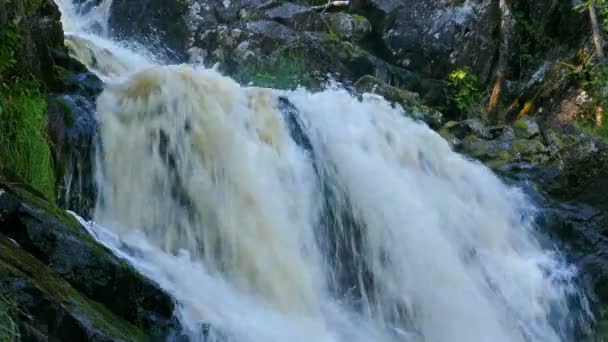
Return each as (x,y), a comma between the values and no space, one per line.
(464,91)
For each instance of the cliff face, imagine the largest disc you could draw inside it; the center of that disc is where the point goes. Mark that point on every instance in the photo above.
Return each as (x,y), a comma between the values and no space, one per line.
(56,281)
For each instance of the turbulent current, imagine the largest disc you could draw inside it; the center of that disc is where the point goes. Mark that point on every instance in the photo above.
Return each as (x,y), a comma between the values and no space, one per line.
(296,216)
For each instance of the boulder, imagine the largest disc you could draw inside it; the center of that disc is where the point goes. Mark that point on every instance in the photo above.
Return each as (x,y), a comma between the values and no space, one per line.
(154,23)
(526,128)
(434,37)
(409,101)
(269,53)
(349,27)
(48,308)
(50,243)
(297,17)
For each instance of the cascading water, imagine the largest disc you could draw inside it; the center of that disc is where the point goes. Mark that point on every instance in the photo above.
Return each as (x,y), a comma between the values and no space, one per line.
(293,216)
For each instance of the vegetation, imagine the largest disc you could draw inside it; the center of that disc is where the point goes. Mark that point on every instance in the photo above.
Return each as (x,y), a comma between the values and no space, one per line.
(24,146)
(8,328)
(463,90)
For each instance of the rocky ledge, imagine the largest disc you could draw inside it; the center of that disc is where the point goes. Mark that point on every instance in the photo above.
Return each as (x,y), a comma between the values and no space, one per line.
(59,284)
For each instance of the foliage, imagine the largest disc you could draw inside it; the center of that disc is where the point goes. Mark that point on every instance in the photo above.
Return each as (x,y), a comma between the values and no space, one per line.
(24,145)
(464,90)
(8,328)
(8,39)
(602,6)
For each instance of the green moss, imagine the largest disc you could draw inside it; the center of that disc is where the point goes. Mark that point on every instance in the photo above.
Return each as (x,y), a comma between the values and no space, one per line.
(521,124)
(505,156)
(24,145)
(286,69)
(331,35)
(359,18)
(24,266)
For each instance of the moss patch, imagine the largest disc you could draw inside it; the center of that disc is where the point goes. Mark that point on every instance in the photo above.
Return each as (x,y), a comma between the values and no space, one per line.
(24,145)
(23,266)
(287,69)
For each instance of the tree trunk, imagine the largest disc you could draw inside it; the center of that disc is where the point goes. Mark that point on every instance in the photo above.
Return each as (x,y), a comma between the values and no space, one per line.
(597,32)
(506,27)
(599,116)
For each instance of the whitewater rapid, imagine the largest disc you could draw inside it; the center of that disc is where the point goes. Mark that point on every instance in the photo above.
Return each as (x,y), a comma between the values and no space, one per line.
(296,216)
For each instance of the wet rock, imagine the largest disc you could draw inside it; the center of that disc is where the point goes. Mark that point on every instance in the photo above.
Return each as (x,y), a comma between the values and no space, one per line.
(156,23)
(583,175)
(349,27)
(269,53)
(38,50)
(501,152)
(462,129)
(91,273)
(72,128)
(526,128)
(49,308)
(409,101)
(297,17)
(434,37)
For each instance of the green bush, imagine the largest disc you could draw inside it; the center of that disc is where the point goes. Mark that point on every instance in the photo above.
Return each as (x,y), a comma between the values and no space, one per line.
(464,90)
(24,145)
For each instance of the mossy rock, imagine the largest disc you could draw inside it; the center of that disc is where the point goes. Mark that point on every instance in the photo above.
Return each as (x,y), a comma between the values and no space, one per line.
(500,152)
(50,307)
(349,27)
(55,238)
(526,128)
(408,100)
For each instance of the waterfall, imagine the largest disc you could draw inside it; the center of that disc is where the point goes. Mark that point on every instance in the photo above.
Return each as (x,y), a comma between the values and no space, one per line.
(296,216)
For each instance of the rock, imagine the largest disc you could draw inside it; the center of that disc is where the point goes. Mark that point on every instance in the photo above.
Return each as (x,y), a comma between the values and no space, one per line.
(297,17)
(39,52)
(72,128)
(409,101)
(583,172)
(462,129)
(271,54)
(435,37)
(38,48)
(349,27)
(87,271)
(159,23)
(49,308)
(526,128)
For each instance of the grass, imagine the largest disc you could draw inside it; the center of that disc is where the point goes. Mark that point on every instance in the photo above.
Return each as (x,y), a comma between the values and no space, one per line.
(24,145)
(8,328)
(593,130)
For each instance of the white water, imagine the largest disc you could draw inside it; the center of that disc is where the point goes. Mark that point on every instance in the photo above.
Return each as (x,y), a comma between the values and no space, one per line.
(340,220)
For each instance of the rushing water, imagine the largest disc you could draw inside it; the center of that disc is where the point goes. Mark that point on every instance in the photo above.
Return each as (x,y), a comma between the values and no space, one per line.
(298,216)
